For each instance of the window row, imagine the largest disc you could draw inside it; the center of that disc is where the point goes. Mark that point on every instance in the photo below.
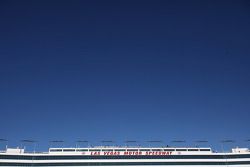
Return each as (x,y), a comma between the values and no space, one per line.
(135,150)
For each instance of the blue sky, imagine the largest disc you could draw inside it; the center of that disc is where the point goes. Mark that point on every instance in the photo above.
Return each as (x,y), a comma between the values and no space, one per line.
(125,70)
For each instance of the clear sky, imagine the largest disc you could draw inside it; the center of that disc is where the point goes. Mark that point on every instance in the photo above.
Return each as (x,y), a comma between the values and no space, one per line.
(125,70)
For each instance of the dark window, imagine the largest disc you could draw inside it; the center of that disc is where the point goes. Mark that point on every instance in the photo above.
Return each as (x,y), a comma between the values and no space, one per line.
(68,150)
(192,149)
(132,149)
(205,149)
(107,150)
(82,150)
(169,149)
(144,150)
(156,149)
(95,150)
(181,149)
(120,150)
(56,150)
